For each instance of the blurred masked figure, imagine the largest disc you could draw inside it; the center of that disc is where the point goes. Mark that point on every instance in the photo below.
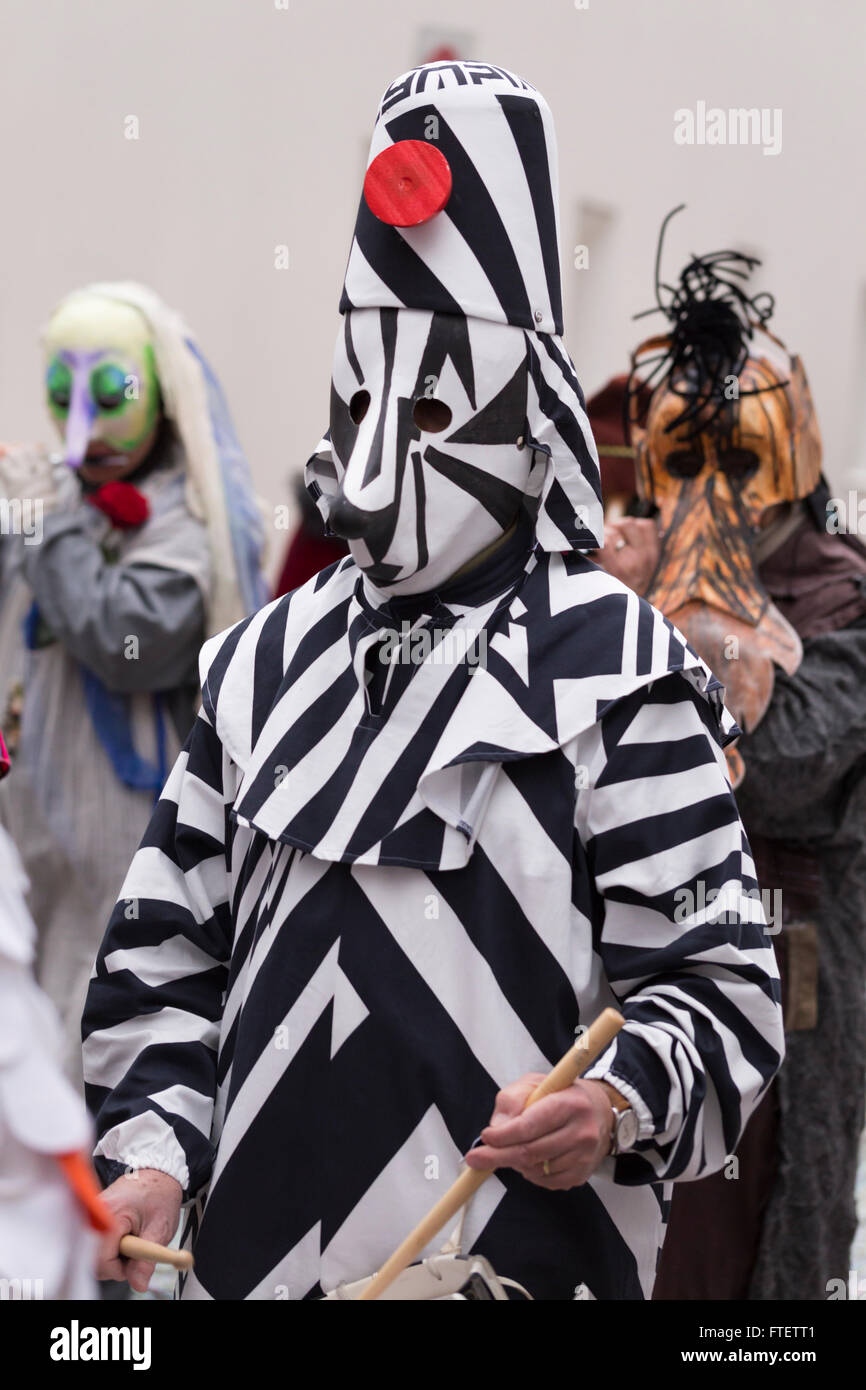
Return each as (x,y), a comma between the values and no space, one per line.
(752,566)
(132,546)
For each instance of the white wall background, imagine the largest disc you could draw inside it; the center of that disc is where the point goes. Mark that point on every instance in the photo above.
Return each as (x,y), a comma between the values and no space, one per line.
(254,122)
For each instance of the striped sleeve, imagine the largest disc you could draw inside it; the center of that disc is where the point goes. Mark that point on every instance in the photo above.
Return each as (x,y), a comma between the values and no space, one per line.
(680,931)
(151,1022)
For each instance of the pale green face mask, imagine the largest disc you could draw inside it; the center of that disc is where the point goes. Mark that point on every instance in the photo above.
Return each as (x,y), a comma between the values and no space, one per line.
(101,382)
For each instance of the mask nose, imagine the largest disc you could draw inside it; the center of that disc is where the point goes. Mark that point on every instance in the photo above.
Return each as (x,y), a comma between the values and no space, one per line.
(79,423)
(348,521)
(351,523)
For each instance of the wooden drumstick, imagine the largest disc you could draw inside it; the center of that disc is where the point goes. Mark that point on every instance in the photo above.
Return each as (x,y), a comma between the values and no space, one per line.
(134,1248)
(588,1046)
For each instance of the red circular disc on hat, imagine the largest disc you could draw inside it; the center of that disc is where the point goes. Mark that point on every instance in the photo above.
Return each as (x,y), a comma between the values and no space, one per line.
(408,183)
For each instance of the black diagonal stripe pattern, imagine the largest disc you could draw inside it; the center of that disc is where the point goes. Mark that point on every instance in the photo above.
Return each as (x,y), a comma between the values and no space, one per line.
(502,420)
(502,500)
(525,124)
(475,215)
(351,355)
(399,267)
(566,422)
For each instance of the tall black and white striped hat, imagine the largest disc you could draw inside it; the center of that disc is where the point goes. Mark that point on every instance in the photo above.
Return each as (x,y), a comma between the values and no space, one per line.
(459,215)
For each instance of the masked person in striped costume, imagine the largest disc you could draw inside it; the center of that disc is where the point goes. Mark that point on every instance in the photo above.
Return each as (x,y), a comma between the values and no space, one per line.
(442,804)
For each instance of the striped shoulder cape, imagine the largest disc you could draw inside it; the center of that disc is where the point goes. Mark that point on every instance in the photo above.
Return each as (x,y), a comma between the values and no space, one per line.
(509,680)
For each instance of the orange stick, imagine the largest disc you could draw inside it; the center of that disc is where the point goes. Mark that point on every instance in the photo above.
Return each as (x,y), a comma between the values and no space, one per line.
(81,1178)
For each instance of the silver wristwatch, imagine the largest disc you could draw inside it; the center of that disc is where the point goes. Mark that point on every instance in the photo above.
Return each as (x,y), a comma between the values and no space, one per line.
(625,1130)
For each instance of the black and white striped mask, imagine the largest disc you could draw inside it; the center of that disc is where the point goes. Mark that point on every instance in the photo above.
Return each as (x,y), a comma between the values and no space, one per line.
(428,461)
(453,395)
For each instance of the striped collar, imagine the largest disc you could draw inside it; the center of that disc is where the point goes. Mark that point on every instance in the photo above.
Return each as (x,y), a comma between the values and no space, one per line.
(287,692)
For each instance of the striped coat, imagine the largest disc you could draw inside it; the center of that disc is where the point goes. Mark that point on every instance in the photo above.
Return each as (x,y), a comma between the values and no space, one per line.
(364,905)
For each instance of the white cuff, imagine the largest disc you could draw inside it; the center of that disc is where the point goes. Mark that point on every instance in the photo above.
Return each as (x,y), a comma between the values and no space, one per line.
(145,1141)
(646,1125)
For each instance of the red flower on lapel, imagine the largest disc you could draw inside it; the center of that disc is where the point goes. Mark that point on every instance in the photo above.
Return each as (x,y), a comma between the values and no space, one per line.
(122,503)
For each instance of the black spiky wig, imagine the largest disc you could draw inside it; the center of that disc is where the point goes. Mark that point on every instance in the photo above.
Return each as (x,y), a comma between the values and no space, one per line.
(712,320)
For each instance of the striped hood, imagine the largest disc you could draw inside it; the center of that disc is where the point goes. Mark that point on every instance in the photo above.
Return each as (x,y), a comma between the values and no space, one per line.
(476,148)
(493,251)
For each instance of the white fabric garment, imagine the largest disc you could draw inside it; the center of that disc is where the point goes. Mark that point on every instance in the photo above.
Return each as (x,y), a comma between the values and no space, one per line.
(75,824)
(47,1249)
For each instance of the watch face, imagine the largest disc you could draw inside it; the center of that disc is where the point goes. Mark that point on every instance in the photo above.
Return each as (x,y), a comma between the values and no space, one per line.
(626,1130)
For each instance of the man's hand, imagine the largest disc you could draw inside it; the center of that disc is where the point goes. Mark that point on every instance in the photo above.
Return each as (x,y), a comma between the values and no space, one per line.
(570,1130)
(631,551)
(145,1203)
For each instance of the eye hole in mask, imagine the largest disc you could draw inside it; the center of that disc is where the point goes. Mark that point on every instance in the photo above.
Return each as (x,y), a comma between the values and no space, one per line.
(359,405)
(430,415)
(739,464)
(684,463)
